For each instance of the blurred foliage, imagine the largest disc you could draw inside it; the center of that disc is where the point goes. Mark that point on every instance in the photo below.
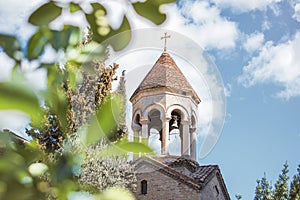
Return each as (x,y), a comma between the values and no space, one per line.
(151,10)
(12,92)
(102,30)
(74,114)
(11,46)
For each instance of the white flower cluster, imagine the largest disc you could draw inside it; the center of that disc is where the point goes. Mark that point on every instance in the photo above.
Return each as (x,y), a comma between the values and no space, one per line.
(103,172)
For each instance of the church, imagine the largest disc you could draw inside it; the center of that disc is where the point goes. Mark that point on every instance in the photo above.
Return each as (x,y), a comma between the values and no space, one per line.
(165,115)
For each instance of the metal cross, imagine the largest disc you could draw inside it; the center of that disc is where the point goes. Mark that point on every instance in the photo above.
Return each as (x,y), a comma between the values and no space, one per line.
(165,37)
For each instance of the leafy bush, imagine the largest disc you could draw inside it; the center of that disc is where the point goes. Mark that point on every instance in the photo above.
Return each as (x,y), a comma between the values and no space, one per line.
(75,107)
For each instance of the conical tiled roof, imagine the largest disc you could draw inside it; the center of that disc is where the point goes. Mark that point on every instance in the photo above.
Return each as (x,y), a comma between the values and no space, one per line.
(166,74)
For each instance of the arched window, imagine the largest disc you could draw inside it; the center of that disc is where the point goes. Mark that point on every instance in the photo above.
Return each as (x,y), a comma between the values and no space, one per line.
(217,190)
(155,127)
(144,187)
(175,133)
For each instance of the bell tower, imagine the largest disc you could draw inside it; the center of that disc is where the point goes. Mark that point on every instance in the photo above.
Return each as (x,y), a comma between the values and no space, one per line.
(165,106)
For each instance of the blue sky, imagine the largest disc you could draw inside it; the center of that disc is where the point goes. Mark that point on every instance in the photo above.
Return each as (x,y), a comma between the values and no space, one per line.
(262,128)
(255,46)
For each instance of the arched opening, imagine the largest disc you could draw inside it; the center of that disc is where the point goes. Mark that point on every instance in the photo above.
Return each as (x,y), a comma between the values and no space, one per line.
(137,120)
(175,133)
(136,125)
(144,187)
(155,131)
(193,123)
(175,120)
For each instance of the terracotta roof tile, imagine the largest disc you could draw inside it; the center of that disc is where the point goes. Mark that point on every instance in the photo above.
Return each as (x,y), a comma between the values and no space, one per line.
(198,172)
(203,172)
(165,73)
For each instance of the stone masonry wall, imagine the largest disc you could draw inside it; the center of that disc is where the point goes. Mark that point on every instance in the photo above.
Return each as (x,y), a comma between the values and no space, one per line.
(161,186)
(212,190)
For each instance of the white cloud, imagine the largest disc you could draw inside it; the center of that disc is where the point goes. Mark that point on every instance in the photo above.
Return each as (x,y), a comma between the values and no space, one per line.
(228,90)
(254,42)
(14,121)
(266,25)
(14,15)
(199,21)
(297,11)
(33,77)
(115,12)
(6,65)
(247,5)
(203,23)
(275,9)
(279,64)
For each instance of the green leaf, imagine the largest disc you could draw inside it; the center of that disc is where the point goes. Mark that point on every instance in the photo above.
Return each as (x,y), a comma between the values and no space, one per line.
(74,7)
(105,121)
(18,97)
(111,150)
(150,10)
(93,132)
(135,147)
(122,36)
(17,74)
(102,31)
(45,14)
(47,65)
(30,152)
(10,45)
(115,193)
(90,52)
(99,12)
(70,35)
(37,43)
(108,113)
(72,73)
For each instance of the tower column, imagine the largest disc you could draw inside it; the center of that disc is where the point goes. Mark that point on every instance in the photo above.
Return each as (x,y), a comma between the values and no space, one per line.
(193,143)
(165,136)
(145,130)
(185,138)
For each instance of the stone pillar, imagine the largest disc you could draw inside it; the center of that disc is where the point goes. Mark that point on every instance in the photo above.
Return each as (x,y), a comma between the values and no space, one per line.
(136,132)
(185,138)
(145,131)
(193,143)
(165,136)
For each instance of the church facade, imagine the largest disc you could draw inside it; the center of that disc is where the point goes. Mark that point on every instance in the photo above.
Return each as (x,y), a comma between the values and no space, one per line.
(178,178)
(165,109)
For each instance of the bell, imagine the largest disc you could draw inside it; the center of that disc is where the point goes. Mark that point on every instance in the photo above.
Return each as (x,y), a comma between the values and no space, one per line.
(174,125)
